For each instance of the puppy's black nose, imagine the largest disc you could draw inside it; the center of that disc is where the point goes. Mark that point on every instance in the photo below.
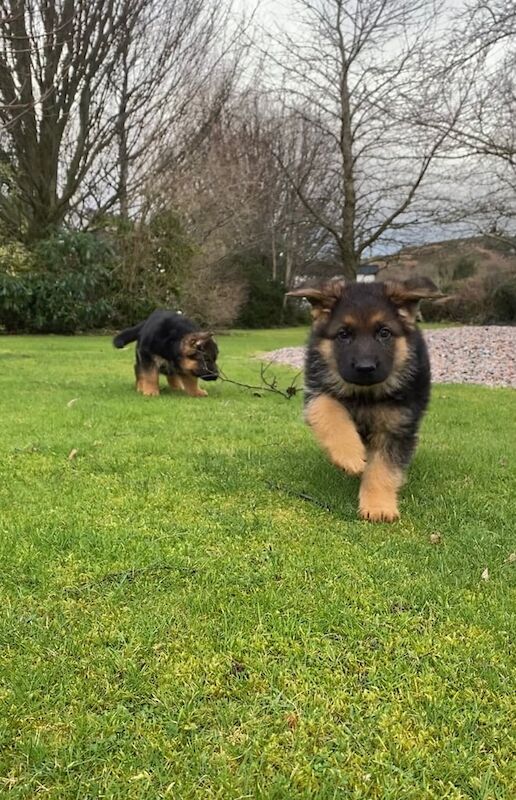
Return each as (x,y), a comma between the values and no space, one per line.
(365,365)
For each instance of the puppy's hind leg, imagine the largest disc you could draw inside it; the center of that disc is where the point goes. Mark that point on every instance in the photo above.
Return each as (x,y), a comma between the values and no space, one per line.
(175,382)
(147,375)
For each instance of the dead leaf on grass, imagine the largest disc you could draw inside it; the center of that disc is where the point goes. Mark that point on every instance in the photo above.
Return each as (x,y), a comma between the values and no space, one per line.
(238,669)
(511,558)
(292,720)
(485,574)
(72,454)
(435,538)
(71,403)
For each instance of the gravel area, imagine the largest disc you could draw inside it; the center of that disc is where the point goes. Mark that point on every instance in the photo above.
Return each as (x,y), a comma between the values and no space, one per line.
(483,354)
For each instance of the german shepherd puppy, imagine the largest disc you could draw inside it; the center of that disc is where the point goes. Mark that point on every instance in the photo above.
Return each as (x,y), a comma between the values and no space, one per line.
(172,345)
(367,382)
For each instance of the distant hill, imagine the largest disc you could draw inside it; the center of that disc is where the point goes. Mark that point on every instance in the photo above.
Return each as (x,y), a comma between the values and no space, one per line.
(451,261)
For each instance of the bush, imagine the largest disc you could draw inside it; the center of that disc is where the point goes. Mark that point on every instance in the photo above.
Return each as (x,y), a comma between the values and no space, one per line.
(153,262)
(464,267)
(477,301)
(265,306)
(68,252)
(503,298)
(39,303)
(500,242)
(15,258)
(70,287)
(78,281)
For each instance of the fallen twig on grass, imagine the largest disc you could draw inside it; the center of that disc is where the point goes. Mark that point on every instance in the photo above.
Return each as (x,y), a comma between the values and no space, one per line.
(301,495)
(266,385)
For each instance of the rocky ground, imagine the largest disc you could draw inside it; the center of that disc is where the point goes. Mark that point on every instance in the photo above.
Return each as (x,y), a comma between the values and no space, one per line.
(483,355)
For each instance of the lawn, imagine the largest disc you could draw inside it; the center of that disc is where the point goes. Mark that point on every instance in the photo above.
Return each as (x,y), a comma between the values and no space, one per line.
(178,622)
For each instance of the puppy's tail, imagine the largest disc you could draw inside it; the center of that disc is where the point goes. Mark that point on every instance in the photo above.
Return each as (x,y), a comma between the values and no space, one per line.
(127,335)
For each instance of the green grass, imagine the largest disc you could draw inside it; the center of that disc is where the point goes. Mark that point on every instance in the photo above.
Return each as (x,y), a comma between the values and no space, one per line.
(176,622)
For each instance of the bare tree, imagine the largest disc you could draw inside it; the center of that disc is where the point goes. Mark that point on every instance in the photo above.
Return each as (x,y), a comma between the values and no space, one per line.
(358,72)
(178,69)
(236,200)
(476,190)
(483,26)
(88,88)
(485,139)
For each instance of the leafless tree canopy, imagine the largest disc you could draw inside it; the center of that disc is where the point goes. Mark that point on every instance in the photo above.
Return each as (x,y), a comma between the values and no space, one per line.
(90,90)
(480,53)
(236,199)
(359,75)
(365,121)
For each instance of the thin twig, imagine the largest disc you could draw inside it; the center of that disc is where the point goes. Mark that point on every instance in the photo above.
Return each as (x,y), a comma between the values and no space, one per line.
(267,385)
(302,495)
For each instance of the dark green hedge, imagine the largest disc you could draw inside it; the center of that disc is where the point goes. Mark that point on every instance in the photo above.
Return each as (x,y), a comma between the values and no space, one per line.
(70,287)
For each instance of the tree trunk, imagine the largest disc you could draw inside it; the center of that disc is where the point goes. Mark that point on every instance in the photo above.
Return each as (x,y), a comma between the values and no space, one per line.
(289,263)
(350,260)
(274,252)
(123,155)
(348,213)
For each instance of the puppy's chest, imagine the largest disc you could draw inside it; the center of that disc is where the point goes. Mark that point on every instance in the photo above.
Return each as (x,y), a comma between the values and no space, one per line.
(379,419)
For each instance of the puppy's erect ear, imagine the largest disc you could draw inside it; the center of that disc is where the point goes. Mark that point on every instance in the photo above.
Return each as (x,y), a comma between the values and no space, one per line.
(322,298)
(202,336)
(407,294)
(197,338)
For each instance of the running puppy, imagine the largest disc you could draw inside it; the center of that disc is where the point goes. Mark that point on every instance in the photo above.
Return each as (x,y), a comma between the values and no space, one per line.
(367,382)
(172,345)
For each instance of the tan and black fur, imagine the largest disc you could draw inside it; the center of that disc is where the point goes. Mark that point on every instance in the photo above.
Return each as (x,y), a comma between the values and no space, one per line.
(173,345)
(367,382)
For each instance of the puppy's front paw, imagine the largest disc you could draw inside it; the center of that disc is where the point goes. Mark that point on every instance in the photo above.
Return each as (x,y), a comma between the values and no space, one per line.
(200,393)
(352,459)
(379,512)
(352,465)
(147,392)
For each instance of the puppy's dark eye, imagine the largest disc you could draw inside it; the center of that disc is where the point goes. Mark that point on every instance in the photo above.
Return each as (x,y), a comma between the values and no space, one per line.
(344,335)
(384,334)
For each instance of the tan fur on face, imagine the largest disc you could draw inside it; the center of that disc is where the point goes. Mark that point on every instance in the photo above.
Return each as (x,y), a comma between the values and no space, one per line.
(379,318)
(336,433)
(325,348)
(147,383)
(338,385)
(401,352)
(378,497)
(378,390)
(319,315)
